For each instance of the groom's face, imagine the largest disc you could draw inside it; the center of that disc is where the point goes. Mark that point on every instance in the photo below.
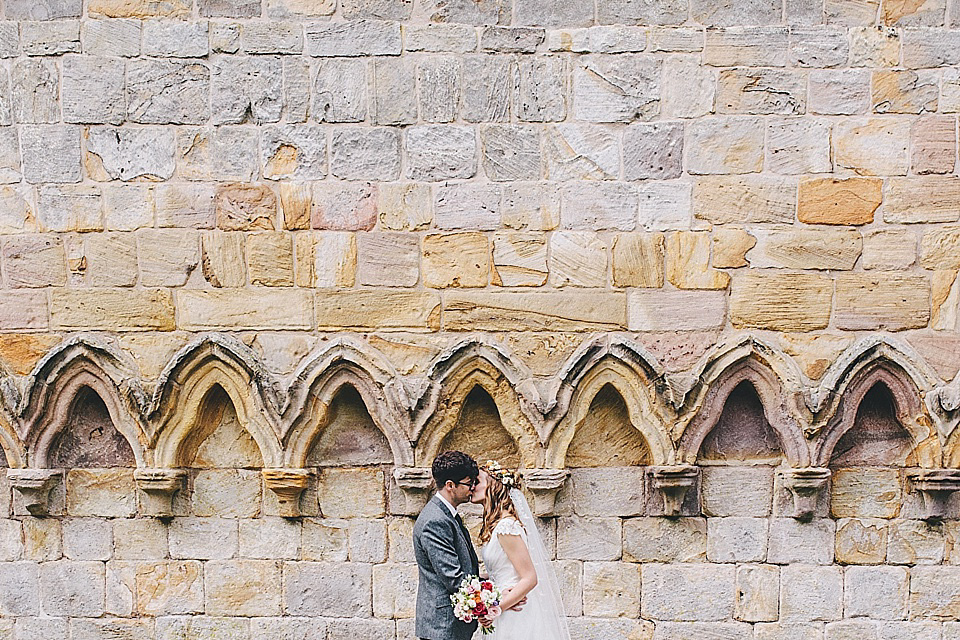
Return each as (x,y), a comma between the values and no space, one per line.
(462,490)
(480,490)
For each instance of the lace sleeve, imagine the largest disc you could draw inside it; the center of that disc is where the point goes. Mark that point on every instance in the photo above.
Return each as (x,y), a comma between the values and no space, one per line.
(508,527)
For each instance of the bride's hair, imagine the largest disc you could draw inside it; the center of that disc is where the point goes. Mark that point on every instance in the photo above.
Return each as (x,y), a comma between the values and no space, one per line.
(498,504)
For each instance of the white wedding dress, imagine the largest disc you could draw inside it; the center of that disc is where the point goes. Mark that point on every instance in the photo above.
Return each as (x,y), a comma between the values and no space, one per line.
(542,617)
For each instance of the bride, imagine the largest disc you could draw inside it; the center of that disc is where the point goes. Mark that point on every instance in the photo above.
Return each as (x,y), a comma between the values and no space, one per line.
(514,557)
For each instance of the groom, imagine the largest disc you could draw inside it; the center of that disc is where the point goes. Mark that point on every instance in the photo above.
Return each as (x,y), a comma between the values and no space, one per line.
(445,555)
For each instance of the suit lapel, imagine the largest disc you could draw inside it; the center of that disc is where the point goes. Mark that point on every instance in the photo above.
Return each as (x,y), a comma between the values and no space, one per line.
(462,528)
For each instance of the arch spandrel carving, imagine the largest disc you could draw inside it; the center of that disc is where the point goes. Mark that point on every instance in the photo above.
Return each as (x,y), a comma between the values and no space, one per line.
(631,386)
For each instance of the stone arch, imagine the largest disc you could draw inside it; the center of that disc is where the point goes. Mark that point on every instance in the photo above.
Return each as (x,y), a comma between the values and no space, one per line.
(610,373)
(180,405)
(11,449)
(775,381)
(883,376)
(742,434)
(454,379)
(320,385)
(83,375)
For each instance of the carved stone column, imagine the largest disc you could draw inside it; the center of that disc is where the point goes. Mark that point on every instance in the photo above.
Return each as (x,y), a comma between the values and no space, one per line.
(414,484)
(158,487)
(544,484)
(33,486)
(936,487)
(805,485)
(674,483)
(288,484)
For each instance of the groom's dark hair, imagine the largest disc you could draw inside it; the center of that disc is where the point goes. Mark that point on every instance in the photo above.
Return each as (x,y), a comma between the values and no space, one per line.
(453,465)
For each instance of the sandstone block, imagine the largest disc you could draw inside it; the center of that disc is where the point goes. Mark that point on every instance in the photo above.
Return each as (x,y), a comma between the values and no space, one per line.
(456,260)
(582,152)
(242,587)
(378,309)
(737,491)
(859,493)
(23,310)
(296,201)
(566,13)
(904,91)
(453,38)
(638,260)
(93,90)
(664,540)
(849,201)
(438,88)
(203,538)
(42,538)
(736,539)
(367,540)
(928,199)
(687,263)
(226,154)
(616,88)
(887,302)
(609,491)
(809,594)
(653,151)
(288,628)
(347,628)
(139,9)
(717,630)
(270,259)
(539,89)
(861,541)
(344,206)
(269,539)
(393,100)
(50,153)
(730,247)
(792,541)
(676,39)
(665,310)
(11,540)
(938,249)
(293,152)
(839,92)
(519,259)
(390,259)
(167,256)
(799,146)
(746,46)
(930,48)
(874,46)
(469,206)
(933,145)
(177,205)
(50,38)
(757,590)
(116,38)
(510,39)
(563,311)
(327,260)
(696,592)
(139,539)
(129,154)
(87,539)
(229,8)
(353,38)
(531,206)
(117,309)
(272,37)
(725,145)
(634,12)
(405,206)
(39,628)
(805,249)
(876,592)
(818,47)
(692,89)
(487,83)
(72,588)
(106,493)
(764,91)
(20,595)
(326,540)
(276,309)
(34,261)
(439,152)
(597,206)
(511,153)
(365,154)
(170,587)
(222,259)
(915,542)
(577,258)
(875,147)
(795,302)
(328,589)
(167,91)
(394,590)
(10,159)
(931,593)
(70,208)
(43,9)
(598,39)
(611,589)
(201,628)
(351,493)
(665,206)
(90,629)
(246,88)
(175,39)
(226,493)
(381,9)
(339,91)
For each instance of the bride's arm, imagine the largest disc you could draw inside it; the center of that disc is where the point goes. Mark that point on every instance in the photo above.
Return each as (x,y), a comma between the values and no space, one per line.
(519,556)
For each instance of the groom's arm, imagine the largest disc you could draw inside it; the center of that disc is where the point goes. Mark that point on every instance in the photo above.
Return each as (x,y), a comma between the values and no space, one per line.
(438,545)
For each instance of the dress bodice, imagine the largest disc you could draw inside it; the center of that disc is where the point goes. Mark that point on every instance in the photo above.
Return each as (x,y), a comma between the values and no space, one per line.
(495,559)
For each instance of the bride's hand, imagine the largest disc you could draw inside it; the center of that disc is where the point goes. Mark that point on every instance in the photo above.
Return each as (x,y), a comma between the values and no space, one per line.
(519,605)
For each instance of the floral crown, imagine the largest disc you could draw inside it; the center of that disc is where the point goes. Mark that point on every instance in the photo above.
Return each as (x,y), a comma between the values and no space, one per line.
(507,478)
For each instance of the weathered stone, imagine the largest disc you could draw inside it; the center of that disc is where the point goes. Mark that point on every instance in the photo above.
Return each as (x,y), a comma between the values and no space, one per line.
(757,589)
(805,249)
(394,590)
(272,37)
(34,261)
(933,145)
(203,538)
(50,38)
(874,46)
(51,153)
(438,152)
(70,208)
(365,154)
(698,592)
(72,588)
(180,205)
(221,153)
(933,593)
(392,100)
(577,258)
(378,309)
(850,201)
(691,90)
(810,594)
(761,92)
(872,147)
(456,260)
(201,628)
(297,152)
(175,39)
(245,207)
(638,260)
(928,199)
(486,89)
(839,92)
(43,9)
(578,152)
(117,309)
(818,47)
(139,539)
(242,587)
(39,628)
(866,492)
(938,249)
(887,302)
(652,151)
(663,310)
(296,202)
(111,259)
(170,587)
(746,46)
(167,256)
(635,12)
(625,497)
(405,207)
(519,259)
(339,91)
(727,145)
(167,91)
(246,89)
(611,590)
(438,89)
(889,249)
(794,302)
(468,206)
(511,153)
(139,8)
(344,206)
(93,90)
(10,164)
(861,541)
(351,493)
(453,38)
(16,214)
(566,311)
(904,91)
(353,38)
(599,206)
(129,154)
(539,89)
(929,48)
(273,309)
(736,539)
(664,540)
(312,8)
(730,247)
(799,146)
(908,14)
(713,630)
(616,88)
(665,206)
(105,493)
(688,262)
(388,259)
(599,39)
(531,206)
(270,259)
(344,589)
(226,493)
(510,39)
(914,542)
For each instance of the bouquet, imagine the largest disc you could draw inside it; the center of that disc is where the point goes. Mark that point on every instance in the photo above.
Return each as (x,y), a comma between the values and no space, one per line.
(477,598)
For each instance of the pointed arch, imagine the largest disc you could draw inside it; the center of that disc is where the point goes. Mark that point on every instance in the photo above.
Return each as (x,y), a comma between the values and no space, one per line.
(11,448)
(637,378)
(211,362)
(775,378)
(317,384)
(60,377)
(454,375)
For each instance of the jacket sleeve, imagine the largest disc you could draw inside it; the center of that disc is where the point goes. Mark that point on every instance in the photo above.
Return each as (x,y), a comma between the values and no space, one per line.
(438,543)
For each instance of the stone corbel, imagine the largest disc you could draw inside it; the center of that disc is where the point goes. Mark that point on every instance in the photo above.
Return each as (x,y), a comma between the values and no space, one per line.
(544,484)
(805,485)
(673,483)
(936,487)
(289,485)
(34,487)
(415,484)
(158,487)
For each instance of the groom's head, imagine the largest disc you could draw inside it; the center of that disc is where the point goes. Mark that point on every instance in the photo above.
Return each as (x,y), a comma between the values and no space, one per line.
(455,474)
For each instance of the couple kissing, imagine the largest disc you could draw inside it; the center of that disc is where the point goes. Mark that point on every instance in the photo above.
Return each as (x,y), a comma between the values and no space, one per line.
(519,599)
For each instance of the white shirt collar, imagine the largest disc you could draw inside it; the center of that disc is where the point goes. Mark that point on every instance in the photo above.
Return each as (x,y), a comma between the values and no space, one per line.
(453,510)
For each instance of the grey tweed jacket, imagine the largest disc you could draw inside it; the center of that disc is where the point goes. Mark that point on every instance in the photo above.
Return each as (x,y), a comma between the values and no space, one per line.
(445,557)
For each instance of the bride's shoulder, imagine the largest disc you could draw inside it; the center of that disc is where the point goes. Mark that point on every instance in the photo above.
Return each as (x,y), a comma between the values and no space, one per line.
(509,527)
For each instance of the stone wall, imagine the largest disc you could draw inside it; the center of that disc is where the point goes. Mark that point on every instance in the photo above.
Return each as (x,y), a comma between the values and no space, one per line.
(692,264)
